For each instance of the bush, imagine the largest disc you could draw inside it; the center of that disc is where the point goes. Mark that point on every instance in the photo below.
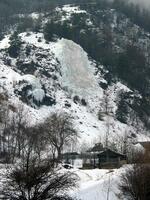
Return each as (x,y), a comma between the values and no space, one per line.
(135,183)
(76,99)
(123,107)
(34,179)
(83,102)
(53,29)
(15,46)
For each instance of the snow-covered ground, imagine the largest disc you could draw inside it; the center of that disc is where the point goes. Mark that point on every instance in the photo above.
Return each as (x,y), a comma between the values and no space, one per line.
(68,10)
(99,184)
(5,42)
(92,184)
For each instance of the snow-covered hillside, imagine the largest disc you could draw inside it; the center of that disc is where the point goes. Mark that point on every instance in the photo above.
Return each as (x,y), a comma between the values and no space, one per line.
(59,76)
(88,66)
(64,75)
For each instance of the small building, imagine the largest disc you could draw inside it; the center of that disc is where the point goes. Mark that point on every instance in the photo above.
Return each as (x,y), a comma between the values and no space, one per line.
(95,157)
(100,157)
(111,159)
(90,159)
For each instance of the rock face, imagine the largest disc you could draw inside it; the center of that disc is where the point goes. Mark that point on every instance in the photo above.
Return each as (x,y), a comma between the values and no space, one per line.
(30,91)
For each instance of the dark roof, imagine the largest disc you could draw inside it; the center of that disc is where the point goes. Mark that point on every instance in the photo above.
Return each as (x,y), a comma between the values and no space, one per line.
(146,145)
(111,153)
(71,154)
(97,148)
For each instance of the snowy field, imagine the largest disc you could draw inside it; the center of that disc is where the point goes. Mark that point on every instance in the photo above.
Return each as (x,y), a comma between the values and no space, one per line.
(99,184)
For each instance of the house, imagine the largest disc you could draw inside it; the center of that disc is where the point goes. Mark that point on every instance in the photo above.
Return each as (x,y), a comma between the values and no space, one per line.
(95,157)
(90,159)
(73,158)
(100,157)
(111,159)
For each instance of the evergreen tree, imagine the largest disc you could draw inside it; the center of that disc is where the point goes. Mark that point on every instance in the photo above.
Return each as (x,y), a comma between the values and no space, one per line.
(123,108)
(15,45)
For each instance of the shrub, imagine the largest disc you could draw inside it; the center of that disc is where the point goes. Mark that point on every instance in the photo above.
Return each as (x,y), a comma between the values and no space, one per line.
(135,183)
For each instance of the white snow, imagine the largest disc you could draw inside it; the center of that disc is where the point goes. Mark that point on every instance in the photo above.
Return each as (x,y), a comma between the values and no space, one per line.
(77,74)
(32,38)
(35,15)
(32,80)
(8,77)
(72,9)
(38,94)
(68,10)
(4,43)
(99,184)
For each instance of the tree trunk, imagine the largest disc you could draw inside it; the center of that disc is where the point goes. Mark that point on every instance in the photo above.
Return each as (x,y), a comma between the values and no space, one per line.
(59,154)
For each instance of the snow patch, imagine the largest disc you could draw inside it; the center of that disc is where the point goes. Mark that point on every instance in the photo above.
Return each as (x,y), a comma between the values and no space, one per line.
(32,80)
(77,74)
(5,42)
(72,9)
(38,95)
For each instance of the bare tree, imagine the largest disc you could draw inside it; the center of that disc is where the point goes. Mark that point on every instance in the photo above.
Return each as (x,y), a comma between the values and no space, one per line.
(4,124)
(106,110)
(107,134)
(35,141)
(105,104)
(19,124)
(108,125)
(34,179)
(60,131)
(16,135)
(3,106)
(125,144)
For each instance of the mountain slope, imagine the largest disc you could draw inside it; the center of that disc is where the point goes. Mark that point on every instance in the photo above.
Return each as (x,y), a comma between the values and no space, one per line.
(58,75)
(83,103)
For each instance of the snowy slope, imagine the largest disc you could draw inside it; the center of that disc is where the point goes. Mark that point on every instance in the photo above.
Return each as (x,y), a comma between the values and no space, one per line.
(99,184)
(62,71)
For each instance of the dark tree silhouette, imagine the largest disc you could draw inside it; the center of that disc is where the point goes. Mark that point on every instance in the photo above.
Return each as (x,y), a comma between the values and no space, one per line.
(136,182)
(35,179)
(60,131)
